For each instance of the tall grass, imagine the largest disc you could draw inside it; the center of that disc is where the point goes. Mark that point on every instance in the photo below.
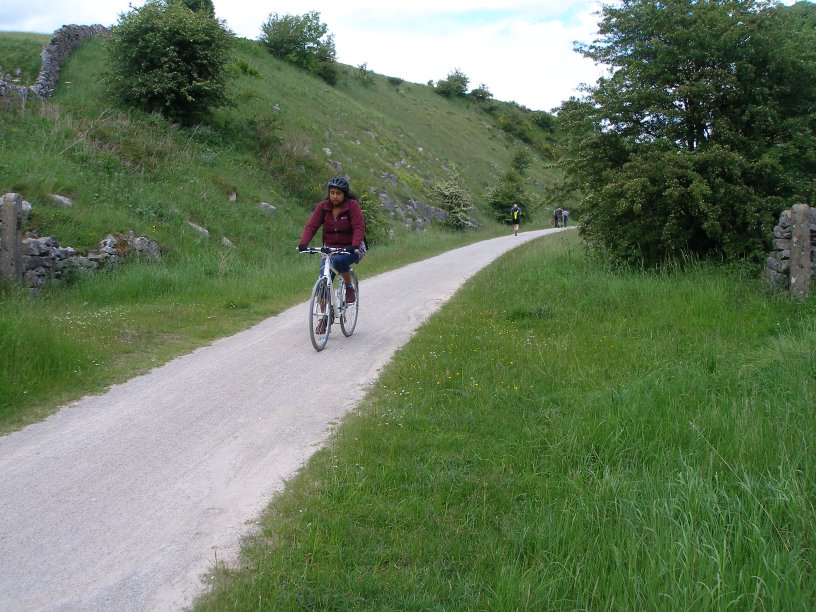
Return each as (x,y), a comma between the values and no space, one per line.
(564,436)
(20,56)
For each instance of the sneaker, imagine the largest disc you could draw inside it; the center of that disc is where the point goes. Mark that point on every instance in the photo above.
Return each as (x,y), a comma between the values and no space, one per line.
(351,296)
(321,327)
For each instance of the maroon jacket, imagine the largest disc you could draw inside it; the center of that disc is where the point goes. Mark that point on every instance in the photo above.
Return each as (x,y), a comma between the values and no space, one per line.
(345,231)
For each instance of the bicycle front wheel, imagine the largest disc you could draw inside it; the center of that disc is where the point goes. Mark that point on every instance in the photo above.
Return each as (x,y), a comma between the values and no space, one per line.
(348,321)
(319,313)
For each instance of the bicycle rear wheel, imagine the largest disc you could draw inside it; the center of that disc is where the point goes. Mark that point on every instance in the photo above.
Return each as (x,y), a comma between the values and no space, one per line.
(319,314)
(348,321)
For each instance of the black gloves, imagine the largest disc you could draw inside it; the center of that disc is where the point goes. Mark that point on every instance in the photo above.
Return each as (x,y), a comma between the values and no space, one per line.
(302,247)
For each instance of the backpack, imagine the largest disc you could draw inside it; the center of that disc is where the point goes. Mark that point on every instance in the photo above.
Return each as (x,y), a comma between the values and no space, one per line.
(363,248)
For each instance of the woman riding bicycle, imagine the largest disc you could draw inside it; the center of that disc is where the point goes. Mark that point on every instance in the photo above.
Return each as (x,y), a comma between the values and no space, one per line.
(343,227)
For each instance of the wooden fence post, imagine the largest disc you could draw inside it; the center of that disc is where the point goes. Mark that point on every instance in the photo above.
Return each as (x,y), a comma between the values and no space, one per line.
(800,263)
(11,237)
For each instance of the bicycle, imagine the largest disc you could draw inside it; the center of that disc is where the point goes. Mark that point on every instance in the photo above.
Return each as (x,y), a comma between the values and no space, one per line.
(328,302)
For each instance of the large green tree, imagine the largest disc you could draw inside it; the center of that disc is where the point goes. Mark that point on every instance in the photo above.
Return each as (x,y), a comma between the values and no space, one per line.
(169,59)
(200,5)
(302,40)
(701,132)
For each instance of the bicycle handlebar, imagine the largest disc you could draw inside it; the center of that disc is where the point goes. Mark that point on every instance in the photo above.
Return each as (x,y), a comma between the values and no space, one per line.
(327,250)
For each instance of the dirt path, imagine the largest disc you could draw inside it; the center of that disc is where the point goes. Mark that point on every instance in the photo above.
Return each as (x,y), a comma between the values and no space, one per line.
(122,501)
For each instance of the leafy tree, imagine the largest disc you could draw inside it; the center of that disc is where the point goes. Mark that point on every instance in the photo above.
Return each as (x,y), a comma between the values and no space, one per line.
(513,188)
(481,93)
(544,120)
(452,197)
(700,134)
(510,189)
(303,41)
(168,59)
(377,224)
(453,86)
(200,5)
(521,160)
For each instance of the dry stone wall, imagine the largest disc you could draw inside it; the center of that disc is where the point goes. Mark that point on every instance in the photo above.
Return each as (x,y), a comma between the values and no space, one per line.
(34,261)
(62,44)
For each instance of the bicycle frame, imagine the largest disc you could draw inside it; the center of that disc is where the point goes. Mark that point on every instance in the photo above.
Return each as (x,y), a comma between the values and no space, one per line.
(333,307)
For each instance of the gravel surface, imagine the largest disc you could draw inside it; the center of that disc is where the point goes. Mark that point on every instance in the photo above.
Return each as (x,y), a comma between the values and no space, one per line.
(124,501)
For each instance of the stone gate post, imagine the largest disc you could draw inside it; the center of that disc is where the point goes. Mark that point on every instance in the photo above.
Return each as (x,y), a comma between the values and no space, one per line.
(800,263)
(11,237)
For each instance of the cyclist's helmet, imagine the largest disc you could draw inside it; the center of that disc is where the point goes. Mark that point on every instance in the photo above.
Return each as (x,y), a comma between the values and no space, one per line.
(341,183)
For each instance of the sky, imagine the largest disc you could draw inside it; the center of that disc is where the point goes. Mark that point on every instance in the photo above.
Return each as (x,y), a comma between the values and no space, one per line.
(522,50)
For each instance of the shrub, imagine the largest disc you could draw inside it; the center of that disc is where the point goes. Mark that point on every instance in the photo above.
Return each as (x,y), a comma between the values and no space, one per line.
(364,75)
(169,59)
(481,93)
(243,68)
(452,197)
(375,218)
(453,86)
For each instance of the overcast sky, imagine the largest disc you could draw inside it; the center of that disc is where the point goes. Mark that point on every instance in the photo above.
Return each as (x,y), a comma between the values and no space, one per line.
(522,50)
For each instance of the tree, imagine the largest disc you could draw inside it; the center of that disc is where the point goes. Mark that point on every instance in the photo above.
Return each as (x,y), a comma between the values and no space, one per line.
(200,5)
(700,134)
(453,86)
(452,197)
(512,188)
(169,59)
(302,40)
(481,93)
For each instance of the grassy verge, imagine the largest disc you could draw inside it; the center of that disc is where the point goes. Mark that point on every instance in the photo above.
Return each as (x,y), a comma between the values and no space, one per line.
(564,436)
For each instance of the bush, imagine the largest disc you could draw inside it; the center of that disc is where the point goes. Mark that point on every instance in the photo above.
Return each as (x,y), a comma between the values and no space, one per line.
(481,93)
(376,220)
(169,59)
(454,86)
(364,75)
(451,196)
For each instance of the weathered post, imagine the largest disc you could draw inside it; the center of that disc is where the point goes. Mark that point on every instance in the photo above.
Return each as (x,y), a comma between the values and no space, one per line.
(11,237)
(800,264)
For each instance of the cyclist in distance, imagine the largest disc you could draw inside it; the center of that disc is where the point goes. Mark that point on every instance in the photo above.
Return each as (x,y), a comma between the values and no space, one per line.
(343,228)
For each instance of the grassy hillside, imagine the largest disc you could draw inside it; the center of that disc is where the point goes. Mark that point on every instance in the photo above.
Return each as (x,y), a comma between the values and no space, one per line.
(20,55)
(131,171)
